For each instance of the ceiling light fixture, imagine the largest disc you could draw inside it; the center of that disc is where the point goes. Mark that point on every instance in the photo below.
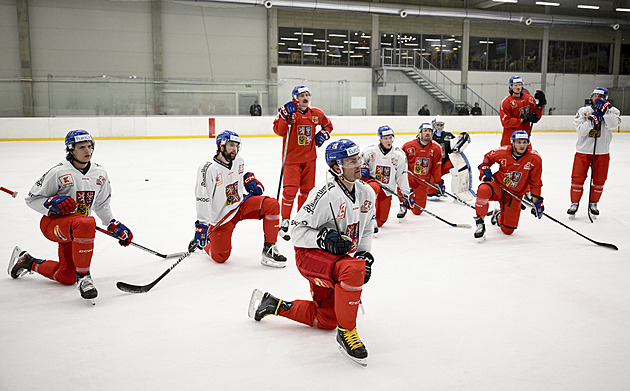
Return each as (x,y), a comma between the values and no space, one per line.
(547,3)
(622,9)
(588,7)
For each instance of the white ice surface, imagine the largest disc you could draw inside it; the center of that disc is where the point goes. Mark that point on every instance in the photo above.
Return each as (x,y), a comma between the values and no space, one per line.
(543,309)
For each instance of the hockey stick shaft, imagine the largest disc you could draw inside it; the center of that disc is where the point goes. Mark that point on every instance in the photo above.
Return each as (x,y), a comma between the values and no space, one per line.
(445,192)
(590,189)
(423,209)
(106,232)
(609,245)
(13,193)
(284,157)
(130,288)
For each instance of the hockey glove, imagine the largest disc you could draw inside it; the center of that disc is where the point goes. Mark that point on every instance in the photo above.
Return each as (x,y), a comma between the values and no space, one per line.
(321,137)
(530,117)
(121,232)
(63,205)
(463,141)
(288,109)
(540,97)
(538,208)
(365,171)
(596,119)
(441,187)
(409,201)
(369,260)
(201,234)
(601,105)
(252,185)
(485,174)
(334,242)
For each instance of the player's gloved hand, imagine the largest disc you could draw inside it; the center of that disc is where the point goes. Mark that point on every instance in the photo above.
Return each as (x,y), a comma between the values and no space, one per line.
(441,188)
(334,242)
(321,137)
(409,201)
(288,109)
(484,173)
(601,105)
(538,208)
(530,117)
(252,185)
(201,234)
(121,232)
(463,140)
(369,260)
(540,97)
(63,205)
(596,119)
(365,171)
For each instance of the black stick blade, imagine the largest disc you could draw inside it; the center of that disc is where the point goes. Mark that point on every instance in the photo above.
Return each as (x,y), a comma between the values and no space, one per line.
(609,245)
(129,288)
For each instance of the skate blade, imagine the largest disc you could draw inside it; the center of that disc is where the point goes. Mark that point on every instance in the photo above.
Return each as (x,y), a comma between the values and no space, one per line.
(271,263)
(254,303)
(360,361)
(571,217)
(14,255)
(481,239)
(401,219)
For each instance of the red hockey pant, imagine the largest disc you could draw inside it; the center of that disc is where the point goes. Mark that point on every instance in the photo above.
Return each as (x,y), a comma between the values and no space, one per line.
(383,202)
(446,167)
(581,164)
(219,244)
(336,284)
(75,235)
(510,206)
(296,176)
(420,190)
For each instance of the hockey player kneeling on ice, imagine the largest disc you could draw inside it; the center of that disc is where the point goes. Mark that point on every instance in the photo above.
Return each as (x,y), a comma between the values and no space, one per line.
(65,195)
(332,239)
(424,161)
(520,168)
(454,160)
(384,164)
(222,185)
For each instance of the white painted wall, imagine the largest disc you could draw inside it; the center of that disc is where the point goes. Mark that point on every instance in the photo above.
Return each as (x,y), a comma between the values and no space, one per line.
(13,129)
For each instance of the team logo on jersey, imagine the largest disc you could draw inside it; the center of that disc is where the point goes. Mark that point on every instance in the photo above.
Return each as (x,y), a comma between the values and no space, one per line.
(366,206)
(395,161)
(502,162)
(315,119)
(382,174)
(511,178)
(219,179)
(371,157)
(353,232)
(528,166)
(342,211)
(422,165)
(241,168)
(100,181)
(66,181)
(304,134)
(85,199)
(231,194)
(513,103)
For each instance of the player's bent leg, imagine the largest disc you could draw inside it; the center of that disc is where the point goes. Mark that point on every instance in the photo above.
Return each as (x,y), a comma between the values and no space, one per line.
(83,230)
(219,245)
(288,197)
(507,230)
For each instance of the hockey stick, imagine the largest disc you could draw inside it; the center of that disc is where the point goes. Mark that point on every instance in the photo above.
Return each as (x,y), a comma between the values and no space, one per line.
(424,210)
(13,193)
(608,245)
(590,189)
(172,255)
(457,198)
(130,288)
(284,158)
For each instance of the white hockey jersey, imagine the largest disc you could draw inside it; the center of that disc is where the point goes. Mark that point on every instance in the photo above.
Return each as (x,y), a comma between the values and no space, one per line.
(219,189)
(353,212)
(583,125)
(389,169)
(91,190)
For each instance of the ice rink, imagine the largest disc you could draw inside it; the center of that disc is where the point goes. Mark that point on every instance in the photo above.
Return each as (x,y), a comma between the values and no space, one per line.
(542,309)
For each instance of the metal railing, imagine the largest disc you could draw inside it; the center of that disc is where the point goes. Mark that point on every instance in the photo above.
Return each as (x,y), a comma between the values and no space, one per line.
(418,61)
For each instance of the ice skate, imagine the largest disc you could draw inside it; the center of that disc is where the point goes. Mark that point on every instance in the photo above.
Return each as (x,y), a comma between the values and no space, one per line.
(401,214)
(480,231)
(351,346)
(283,232)
(21,263)
(261,305)
(494,219)
(86,287)
(593,212)
(573,210)
(272,257)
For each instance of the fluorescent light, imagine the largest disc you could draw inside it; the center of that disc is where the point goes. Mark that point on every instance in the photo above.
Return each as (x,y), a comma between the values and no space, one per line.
(337,35)
(590,7)
(622,9)
(548,3)
(505,1)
